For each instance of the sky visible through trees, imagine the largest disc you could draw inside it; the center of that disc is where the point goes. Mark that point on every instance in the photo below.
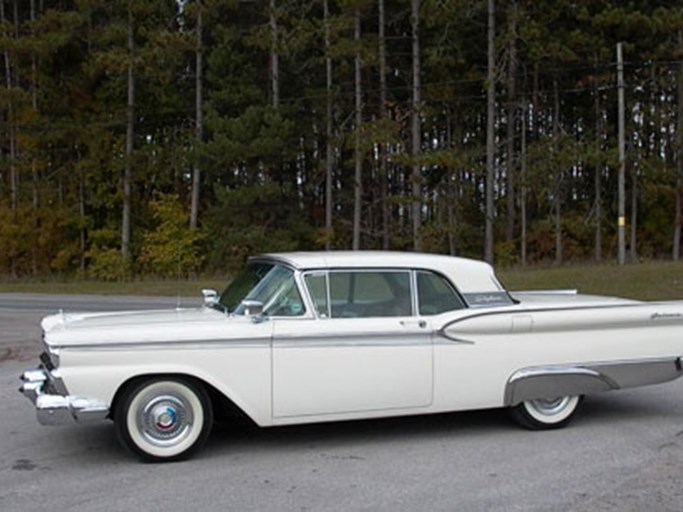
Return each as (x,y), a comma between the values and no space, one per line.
(173,137)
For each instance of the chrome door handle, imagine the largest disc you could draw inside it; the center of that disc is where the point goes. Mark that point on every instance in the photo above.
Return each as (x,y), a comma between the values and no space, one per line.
(419,323)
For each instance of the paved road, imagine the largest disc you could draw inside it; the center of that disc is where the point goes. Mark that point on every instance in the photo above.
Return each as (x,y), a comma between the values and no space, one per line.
(20,314)
(623,453)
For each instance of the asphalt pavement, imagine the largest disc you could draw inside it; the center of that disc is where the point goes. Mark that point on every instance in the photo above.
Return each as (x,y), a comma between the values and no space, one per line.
(624,452)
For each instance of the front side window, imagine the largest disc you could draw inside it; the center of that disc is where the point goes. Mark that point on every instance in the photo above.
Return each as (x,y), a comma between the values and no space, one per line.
(317,287)
(272,285)
(361,294)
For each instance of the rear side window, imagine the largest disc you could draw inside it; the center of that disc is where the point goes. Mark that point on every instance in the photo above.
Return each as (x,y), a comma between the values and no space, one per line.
(436,295)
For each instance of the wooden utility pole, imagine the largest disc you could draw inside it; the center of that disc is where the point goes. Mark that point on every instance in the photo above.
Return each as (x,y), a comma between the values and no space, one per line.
(621,220)
(490,127)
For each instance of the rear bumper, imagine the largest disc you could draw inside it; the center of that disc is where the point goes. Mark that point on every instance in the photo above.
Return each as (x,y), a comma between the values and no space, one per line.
(54,406)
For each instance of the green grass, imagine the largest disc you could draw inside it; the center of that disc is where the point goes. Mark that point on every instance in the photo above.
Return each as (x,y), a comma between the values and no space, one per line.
(652,280)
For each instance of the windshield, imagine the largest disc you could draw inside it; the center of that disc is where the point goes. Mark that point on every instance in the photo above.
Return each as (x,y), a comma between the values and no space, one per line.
(272,285)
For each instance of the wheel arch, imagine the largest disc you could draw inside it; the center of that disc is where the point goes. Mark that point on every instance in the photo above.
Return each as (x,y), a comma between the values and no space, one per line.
(223,405)
(542,383)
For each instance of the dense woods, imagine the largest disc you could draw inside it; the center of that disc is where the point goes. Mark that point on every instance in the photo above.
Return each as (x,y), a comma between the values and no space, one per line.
(177,136)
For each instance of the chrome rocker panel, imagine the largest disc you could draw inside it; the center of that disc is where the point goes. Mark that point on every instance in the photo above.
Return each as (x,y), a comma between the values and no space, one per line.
(54,406)
(567,380)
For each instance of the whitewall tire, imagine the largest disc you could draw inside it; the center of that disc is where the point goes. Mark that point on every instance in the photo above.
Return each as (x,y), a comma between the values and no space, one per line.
(543,414)
(163,419)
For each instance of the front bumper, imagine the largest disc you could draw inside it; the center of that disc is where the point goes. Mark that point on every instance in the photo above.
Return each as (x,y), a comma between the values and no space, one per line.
(54,406)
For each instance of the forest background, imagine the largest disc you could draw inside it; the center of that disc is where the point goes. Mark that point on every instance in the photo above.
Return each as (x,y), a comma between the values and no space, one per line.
(172,137)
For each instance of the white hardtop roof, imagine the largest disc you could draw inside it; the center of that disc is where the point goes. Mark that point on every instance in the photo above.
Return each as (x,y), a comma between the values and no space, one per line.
(469,276)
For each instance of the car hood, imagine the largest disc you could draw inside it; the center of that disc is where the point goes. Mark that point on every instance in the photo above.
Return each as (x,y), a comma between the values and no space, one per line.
(197,324)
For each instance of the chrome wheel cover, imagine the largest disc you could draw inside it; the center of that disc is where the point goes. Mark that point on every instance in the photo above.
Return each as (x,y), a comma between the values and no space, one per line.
(552,406)
(552,411)
(165,420)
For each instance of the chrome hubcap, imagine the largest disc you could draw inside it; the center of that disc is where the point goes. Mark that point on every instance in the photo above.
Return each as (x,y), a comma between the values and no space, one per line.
(552,406)
(165,417)
(165,420)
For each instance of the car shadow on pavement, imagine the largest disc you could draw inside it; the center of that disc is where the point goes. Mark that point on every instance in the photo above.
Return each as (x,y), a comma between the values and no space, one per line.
(384,430)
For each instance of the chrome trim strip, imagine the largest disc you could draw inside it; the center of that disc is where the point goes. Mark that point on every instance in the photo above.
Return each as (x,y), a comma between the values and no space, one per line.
(560,370)
(306,343)
(579,379)
(397,338)
(508,311)
(567,291)
(174,344)
(284,341)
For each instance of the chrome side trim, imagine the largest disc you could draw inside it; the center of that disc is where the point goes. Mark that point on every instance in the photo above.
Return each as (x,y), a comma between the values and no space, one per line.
(441,338)
(294,342)
(529,311)
(46,390)
(181,344)
(553,381)
(568,291)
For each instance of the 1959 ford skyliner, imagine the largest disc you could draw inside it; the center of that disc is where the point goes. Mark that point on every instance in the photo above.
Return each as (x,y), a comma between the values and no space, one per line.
(327,336)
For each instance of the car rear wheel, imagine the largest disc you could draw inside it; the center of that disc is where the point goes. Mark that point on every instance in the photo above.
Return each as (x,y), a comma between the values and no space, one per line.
(163,419)
(546,413)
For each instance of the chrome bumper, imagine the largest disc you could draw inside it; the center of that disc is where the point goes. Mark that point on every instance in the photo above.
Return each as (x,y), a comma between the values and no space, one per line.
(54,406)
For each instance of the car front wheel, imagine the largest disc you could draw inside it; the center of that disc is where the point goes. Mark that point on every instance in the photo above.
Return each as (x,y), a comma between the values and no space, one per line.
(163,419)
(543,414)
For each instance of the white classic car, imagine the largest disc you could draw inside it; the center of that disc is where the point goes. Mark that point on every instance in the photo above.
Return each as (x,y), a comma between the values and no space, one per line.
(328,336)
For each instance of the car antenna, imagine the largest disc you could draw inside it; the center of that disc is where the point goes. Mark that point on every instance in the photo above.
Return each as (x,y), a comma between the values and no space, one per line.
(177,279)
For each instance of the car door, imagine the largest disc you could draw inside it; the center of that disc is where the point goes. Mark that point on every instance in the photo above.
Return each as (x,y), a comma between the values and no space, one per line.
(364,351)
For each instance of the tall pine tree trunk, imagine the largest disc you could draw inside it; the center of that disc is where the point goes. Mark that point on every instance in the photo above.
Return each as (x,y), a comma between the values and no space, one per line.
(34,168)
(452,192)
(512,109)
(384,146)
(329,150)
(13,177)
(490,127)
(416,176)
(633,250)
(130,133)
(558,175)
(358,157)
(598,175)
(199,115)
(678,214)
(82,235)
(523,191)
(274,56)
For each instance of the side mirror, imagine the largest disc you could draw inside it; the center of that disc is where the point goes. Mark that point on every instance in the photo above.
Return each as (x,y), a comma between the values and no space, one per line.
(252,308)
(210,296)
